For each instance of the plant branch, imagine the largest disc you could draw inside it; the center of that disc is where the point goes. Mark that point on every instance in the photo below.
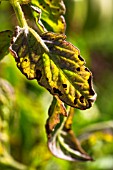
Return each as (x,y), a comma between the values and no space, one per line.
(19,13)
(22,22)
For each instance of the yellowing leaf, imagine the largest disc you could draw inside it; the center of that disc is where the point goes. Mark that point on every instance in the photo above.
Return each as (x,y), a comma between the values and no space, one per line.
(57,66)
(61,139)
(55,111)
(51,15)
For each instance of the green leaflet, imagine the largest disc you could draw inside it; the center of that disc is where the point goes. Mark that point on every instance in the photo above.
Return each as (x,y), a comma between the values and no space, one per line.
(58,67)
(102,131)
(97,135)
(52,14)
(5,38)
(61,139)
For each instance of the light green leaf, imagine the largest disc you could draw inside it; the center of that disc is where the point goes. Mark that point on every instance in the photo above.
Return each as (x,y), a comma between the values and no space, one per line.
(61,139)
(5,38)
(51,15)
(98,131)
(57,66)
(98,139)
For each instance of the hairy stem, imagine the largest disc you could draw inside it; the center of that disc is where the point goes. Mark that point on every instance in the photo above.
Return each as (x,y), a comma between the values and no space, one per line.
(22,22)
(19,13)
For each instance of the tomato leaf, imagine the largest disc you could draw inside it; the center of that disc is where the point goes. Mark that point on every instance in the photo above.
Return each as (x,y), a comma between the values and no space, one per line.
(51,14)
(56,109)
(60,68)
(5,38)
(36,13)
(61,139)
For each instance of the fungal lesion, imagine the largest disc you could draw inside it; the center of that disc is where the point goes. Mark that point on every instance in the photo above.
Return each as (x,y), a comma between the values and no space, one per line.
(78,69)
(57,91)
(64,86)
(86,69)
(82,99)
(80,58)
(91,91)
(38,74)
(79,100)
(75,101)
(25,60)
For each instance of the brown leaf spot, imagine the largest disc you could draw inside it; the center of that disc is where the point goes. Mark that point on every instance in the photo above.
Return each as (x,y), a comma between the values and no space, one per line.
(89,81)
(38,74)
(57,91)
(82,99)
(75,101)
(86,69)
(64,85)
(80,58)
(25,59)
(91,91)
(78,69)
(89,102)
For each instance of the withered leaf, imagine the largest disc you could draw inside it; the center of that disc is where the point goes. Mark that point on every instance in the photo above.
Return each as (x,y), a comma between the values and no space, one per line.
(56,110)
(51,14)
(61,139)
(60,69)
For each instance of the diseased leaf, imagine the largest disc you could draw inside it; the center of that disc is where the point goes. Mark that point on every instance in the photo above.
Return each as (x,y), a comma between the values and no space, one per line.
(60,68)
(61,139)
(56,109)
(36,12)
(5,38)
(52,14)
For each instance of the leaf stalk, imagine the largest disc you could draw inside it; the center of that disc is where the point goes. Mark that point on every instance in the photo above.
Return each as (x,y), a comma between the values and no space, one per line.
(19,13)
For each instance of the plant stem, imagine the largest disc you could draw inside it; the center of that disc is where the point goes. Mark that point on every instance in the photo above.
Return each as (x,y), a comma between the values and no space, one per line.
(40,41)
(22,22)
(19,13)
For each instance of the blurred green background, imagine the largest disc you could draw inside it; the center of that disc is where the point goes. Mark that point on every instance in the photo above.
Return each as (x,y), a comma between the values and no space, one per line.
(24,104)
